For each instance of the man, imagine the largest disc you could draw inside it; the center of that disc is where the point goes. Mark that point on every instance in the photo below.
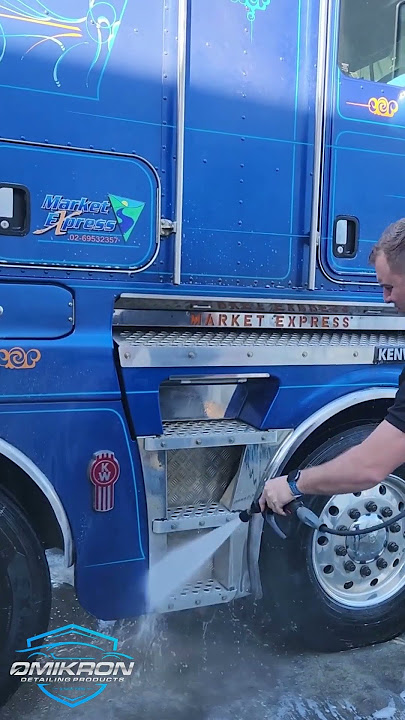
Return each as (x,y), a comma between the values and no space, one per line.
(367,464)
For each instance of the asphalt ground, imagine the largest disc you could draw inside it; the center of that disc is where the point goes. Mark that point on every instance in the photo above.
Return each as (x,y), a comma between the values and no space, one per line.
(222,664)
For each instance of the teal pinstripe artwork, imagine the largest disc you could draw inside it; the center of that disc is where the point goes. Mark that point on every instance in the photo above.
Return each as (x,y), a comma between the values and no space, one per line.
(252,7)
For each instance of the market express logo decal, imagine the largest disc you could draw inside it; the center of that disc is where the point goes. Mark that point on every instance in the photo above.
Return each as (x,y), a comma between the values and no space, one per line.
(66,215)
(51,661)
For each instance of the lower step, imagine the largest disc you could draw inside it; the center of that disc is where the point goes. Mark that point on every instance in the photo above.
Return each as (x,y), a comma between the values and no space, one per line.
(199,594)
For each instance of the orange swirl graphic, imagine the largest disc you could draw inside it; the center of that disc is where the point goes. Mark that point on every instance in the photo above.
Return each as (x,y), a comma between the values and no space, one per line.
(383,107)
(19,359)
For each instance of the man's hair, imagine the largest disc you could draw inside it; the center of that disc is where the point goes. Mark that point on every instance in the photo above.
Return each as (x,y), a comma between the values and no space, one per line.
(392,244)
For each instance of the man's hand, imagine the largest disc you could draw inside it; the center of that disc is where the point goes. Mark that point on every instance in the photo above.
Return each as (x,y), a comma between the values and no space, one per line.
(276,494)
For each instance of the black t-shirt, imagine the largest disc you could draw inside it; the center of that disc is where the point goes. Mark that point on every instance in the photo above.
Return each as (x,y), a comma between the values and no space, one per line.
(396,413)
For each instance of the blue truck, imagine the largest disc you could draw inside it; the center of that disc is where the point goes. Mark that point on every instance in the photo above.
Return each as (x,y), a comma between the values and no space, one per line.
(189,193)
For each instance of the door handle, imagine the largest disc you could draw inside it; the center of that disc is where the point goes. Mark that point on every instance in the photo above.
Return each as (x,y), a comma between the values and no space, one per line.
(14,209)
(345,236)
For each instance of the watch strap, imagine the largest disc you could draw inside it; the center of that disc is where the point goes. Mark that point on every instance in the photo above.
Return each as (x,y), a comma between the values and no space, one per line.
(292,479)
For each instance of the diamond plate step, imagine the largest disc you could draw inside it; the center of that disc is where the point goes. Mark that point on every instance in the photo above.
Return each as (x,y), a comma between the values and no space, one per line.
(210,433)
(202,516)
(204,592)
(174,348)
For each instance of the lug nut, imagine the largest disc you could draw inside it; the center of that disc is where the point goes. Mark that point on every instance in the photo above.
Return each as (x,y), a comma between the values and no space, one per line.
(354,514)
(395,527)
(340,550)
(371,506)
(365,571)
(392,547)
(349,566)
(382,563)
(386,512)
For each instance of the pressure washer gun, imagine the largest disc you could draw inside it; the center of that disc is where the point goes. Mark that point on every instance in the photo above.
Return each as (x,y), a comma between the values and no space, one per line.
(304,515)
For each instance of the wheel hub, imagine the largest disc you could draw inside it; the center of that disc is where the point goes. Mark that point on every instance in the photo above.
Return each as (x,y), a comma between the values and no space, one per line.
(368,569)
(367,548)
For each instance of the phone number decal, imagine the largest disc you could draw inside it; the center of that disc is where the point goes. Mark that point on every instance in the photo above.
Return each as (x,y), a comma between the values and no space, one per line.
(95,238)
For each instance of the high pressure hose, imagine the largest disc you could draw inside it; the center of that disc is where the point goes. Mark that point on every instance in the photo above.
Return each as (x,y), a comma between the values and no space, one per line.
(308,517)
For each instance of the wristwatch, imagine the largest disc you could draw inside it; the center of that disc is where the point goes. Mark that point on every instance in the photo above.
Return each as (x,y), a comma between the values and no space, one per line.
(292,479)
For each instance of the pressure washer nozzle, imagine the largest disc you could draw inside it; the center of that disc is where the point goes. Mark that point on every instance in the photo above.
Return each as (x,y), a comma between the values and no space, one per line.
(254,509)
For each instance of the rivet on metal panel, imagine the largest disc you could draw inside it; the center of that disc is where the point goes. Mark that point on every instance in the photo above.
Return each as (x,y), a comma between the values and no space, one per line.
(304,354)
(250,354)
(202,523)
(127,355)
(163,444)
(1,310)
(191,355)
(223,597)
(198,602)
(356,354)
(173,526)
(70,319)
(70,304)
(231,440)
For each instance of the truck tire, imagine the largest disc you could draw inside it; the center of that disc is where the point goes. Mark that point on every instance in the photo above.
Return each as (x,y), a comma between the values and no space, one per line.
(25,589)
(325,600)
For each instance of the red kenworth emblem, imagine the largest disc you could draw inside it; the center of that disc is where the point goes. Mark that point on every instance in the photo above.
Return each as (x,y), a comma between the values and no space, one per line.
(104,472)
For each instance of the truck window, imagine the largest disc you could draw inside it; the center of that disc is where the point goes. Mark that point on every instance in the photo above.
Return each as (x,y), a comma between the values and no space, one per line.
(372,40)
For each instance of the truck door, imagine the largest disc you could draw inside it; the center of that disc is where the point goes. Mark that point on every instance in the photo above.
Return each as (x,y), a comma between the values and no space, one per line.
(364,187)
(80,97)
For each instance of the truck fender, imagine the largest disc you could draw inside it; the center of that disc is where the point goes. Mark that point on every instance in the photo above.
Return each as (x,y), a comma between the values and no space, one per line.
(37,476)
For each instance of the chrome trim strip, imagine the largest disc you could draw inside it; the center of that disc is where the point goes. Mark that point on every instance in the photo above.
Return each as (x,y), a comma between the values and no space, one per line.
(319,140)
(169,297)
(23,462)
(303,431)
(181,122)
(240,319)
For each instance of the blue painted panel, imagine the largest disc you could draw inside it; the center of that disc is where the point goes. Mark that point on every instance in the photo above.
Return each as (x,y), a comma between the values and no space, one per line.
(79,366)
(35,311)
(87,209)
(249,123)
(111,547)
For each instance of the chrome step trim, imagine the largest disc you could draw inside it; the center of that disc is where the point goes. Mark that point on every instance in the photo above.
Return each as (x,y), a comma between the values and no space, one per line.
(198,517)
(210,433)
(199,594)
(215,348)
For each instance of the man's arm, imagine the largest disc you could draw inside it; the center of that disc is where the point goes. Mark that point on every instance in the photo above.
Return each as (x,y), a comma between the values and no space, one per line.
(360,468)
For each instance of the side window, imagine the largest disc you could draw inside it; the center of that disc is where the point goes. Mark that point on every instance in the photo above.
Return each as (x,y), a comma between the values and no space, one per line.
(372,40)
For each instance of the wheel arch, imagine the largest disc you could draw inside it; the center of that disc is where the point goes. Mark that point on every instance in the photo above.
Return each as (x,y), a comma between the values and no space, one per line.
(331,417)
(33,491)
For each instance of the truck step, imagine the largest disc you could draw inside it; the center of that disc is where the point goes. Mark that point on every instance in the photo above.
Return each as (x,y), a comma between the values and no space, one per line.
(203,592)
(219,348)
(209,433)
(198,517)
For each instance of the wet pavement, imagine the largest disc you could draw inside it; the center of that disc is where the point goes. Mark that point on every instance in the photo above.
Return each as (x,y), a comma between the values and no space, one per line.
(222,664)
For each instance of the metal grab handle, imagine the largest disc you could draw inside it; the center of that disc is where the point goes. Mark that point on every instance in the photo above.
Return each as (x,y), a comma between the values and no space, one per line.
(181,120)
(319,144)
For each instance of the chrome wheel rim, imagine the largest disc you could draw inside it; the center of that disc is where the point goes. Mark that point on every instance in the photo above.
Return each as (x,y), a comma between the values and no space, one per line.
(368,570)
